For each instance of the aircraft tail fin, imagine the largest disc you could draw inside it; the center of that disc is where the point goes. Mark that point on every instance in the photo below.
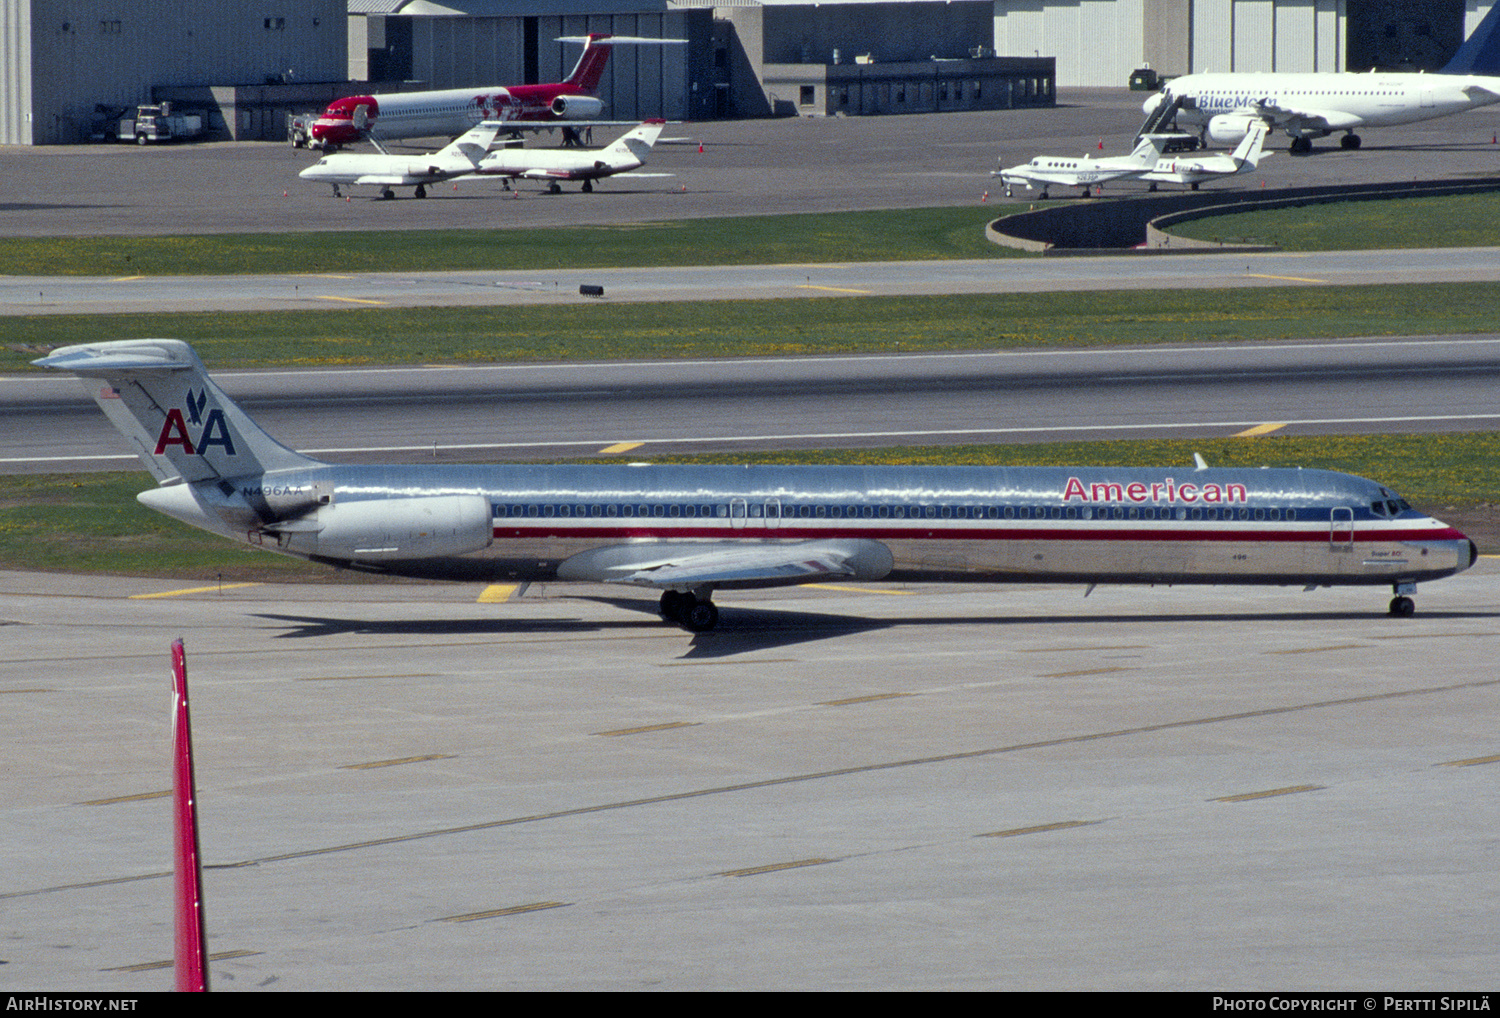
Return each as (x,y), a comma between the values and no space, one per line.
(474,143)
(1148,150)
(590,66)
(596,47)
(1247,156)
(182,425)
(1480,53)
(636,143)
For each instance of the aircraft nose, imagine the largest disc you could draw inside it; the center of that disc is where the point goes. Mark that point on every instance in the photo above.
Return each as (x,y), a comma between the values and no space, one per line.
(1152,104)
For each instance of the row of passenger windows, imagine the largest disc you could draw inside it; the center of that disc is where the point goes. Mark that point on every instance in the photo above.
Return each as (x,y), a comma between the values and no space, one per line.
(757,510)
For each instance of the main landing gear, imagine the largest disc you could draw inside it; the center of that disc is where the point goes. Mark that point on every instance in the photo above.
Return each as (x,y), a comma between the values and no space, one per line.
(697,615)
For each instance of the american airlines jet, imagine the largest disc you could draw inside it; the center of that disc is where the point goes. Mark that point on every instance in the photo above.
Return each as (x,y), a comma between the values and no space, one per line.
(1223,107)
(687,531)
(453,111)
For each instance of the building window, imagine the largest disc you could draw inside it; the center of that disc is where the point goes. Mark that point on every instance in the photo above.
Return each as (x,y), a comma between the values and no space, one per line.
(809,95)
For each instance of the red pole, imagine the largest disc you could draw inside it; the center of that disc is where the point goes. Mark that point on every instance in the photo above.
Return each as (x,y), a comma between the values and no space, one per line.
(192,946)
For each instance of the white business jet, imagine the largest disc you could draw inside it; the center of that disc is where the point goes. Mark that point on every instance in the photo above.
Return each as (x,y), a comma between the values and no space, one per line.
(385,171)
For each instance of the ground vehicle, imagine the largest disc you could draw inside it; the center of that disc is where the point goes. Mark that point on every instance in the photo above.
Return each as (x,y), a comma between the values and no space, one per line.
(155,123)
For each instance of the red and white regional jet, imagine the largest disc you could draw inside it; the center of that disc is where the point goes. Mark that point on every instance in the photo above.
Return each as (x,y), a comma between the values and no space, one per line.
(453,111)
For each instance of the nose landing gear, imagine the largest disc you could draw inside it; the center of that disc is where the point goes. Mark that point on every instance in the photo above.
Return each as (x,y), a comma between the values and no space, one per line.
(1402,606)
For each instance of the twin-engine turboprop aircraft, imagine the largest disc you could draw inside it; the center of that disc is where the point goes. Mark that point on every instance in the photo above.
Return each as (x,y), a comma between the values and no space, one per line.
(1146,163)
(690,530)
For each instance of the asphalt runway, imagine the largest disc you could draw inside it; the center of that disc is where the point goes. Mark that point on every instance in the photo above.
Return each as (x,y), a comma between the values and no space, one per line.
(883,788)
(547,411)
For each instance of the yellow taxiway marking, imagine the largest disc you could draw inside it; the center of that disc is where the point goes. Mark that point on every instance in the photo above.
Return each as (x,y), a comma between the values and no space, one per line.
(346,678)
(620,447)
(153,965)
(651,728)
(1269,793)
(863,699)
(535,906)
(1083,671)
(192,590)
(775,867)
(1319,650)
(1290,279)
(139,797)
(859,590)
(1472,761)
(351,300)
(496,593)
(126,279)
(1259,429)
(1062,825)
(834,289)
(395,763)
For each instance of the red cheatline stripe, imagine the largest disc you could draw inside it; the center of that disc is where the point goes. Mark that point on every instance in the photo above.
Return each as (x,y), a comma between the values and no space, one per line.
(1169,533)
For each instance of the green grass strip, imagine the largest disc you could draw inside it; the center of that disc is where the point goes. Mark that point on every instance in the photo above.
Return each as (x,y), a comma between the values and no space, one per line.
(895,235)
(91,523)
(1470,220)
(833,325)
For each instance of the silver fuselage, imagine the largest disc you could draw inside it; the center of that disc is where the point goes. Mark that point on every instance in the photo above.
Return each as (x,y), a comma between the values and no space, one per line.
(1085,524)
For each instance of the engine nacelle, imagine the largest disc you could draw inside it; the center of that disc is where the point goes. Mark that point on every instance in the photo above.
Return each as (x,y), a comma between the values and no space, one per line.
(577,107)
(391,529)
(1230,128)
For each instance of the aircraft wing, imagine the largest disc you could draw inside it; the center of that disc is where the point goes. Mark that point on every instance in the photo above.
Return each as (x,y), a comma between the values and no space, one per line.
(384,178)
(1307,117)
(733,565)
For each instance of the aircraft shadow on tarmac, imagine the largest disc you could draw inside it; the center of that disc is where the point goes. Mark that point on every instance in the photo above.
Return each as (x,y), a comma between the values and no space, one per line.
(745,630)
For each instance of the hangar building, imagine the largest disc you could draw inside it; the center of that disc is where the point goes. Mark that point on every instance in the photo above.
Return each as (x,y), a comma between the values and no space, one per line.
(249,62)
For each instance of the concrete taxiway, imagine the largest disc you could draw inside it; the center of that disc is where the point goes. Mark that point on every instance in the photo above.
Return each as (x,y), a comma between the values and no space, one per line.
(882,788)
(34,295)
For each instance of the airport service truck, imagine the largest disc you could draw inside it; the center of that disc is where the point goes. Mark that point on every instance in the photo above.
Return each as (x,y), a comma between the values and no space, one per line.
(157,123)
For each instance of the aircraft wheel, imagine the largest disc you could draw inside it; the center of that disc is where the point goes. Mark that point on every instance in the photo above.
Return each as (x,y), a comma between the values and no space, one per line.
(672,605)
(702,616)
(1349,141)
(554,188)
(1086,193)
(1403,607)
(421,191)
(387,194)
(1301,146)
(1043,194)
(1008,193)
(588,186)
(1194,185)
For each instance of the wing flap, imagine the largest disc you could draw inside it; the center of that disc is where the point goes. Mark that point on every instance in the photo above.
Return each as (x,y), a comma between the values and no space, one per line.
(772,565)
(748,563)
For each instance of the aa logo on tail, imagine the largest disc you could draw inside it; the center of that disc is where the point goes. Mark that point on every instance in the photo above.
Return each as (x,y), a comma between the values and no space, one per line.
(212,428)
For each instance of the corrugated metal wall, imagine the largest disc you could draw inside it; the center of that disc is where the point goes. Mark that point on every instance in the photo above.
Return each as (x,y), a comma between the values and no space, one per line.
(1099,42)
(1095,42)
(61,57)
(638,82)
(1268,35)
